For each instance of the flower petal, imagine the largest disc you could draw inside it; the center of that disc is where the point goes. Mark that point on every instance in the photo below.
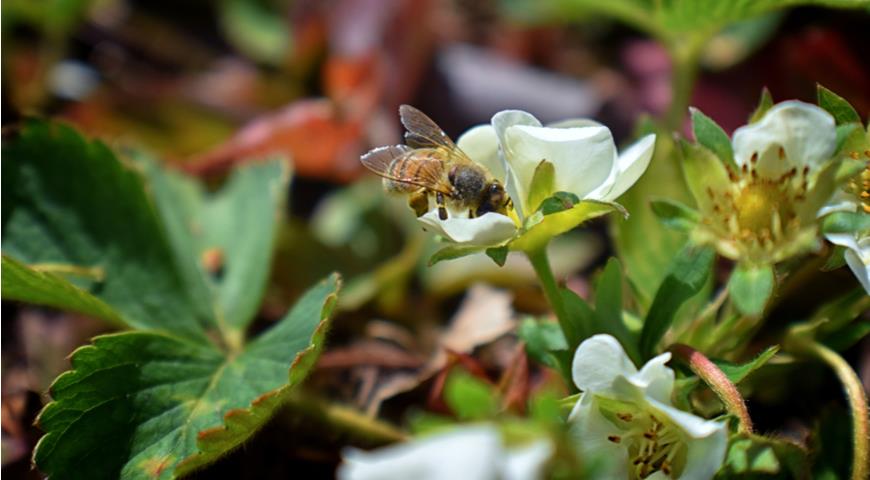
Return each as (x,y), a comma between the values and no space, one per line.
(583,156)
(630,166)
(527,462)
(517,190)
(858,260)
(598,362)
(655,378)
(488,229)
(473,452)
(480,143)
(589,430)
(806,133)
(707,441)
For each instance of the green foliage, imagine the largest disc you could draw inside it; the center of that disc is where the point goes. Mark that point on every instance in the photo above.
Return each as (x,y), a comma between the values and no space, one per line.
(545,343)
(738,372)
(709,134)
(675,215)
(542,186)
(846,222)
(754,456)
(469,398)
(183,387)
(837,106)
(452,252)
(541,228)
(26,284)
(750,288)
(255,31)
(764,104)
(498,254)
(686,277)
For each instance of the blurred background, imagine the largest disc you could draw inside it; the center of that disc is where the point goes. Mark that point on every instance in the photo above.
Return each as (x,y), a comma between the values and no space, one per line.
(208,85)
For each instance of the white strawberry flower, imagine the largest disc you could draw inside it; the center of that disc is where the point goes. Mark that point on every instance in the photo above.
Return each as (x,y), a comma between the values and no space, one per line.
(471,452)
(625,416)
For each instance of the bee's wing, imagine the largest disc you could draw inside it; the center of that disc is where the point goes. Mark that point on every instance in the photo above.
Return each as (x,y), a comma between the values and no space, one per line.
(426,171)
(422,132)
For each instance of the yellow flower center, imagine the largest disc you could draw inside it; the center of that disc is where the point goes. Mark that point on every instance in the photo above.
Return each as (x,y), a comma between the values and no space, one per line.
(860,184)
(758,202)
(653,445)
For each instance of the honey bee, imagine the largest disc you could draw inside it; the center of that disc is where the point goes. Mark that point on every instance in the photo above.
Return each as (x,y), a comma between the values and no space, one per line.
(431,164)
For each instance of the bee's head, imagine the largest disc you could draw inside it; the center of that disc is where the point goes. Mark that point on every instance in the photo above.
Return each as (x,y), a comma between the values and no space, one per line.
(494,198)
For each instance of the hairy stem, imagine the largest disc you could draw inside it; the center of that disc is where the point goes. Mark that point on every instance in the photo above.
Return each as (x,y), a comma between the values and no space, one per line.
(855,394)
(541,264)
(717,381)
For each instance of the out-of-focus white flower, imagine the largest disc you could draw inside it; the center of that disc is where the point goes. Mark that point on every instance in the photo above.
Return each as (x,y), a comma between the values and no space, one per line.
(582,152)
(854,198)
(625,418)
(470,452)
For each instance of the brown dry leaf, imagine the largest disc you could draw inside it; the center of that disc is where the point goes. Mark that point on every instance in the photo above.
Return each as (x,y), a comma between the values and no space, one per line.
(484,316)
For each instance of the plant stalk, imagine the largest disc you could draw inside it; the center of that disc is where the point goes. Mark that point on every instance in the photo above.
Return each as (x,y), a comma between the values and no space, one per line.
(718,382)
(541,264)
(343,420)
(856,396)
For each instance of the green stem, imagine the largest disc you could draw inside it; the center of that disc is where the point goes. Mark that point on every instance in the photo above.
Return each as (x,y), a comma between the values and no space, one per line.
(341,419)
(718,382)
(856,396)
(541,264)
(684,72)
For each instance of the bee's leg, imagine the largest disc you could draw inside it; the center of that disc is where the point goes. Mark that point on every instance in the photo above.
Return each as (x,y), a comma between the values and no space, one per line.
(471,213)
(442,210)
(419,202)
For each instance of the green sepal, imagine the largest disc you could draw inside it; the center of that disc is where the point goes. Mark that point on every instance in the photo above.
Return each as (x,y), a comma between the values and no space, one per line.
(452,252)
(837,106)
(846,222)
(498,254)
(750,288)
(675,215)
(709,134)
(542,186)
(765,102)
(560,222)
(739,372)
(750,455)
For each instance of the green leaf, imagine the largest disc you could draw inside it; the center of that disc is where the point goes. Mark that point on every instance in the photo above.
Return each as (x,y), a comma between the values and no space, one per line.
(846,222)
(737,373)
(837,106)
(764,104)
(686,277)
(25,284)
(644,245)
(498,254)
(709,134)
(149,405)
(255,31)
(608,307)
(70,201)
(542,339)
(238,224)
(542,186)
(675,215)
(583,318)
(453,252)
(836,260)
(558,223)
(469,398)
(750,288)
(848,134)
(750,454)
(559,202)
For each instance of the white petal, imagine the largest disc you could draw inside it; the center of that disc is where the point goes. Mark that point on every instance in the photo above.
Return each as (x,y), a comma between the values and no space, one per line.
(516,189)
(469,452)
(480,143)
(631,165)
(848,240)
(589,431)
(859,262)
(488,229)
(527,462)
(655,378)
(598,362)
(707,442)
(806,133)
(583,157)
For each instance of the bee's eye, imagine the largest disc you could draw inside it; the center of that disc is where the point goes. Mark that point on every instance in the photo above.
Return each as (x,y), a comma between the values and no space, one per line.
(495,188)
(451,175)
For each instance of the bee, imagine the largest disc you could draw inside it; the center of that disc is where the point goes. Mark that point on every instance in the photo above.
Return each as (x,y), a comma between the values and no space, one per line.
(431,164)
